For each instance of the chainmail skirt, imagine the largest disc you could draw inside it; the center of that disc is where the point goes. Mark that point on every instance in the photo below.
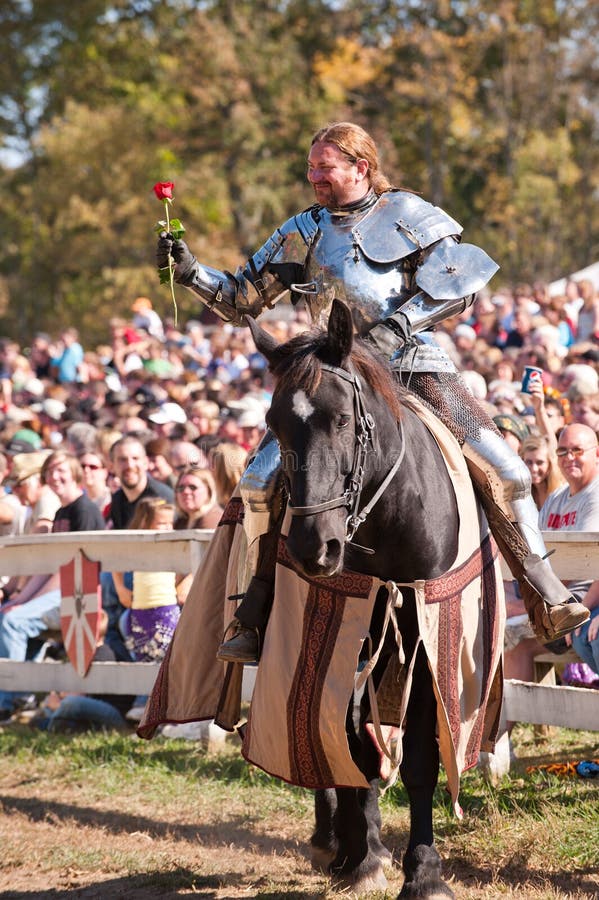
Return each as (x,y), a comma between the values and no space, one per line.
(447,396)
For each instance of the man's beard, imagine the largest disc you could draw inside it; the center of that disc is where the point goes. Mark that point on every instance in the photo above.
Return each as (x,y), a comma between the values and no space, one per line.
(131,480)
(327,198)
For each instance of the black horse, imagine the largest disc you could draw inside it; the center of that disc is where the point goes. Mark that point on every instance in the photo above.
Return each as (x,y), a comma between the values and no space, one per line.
(368,491)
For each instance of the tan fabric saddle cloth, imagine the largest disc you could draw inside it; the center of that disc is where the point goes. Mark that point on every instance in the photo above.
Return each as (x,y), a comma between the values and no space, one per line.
(308,669)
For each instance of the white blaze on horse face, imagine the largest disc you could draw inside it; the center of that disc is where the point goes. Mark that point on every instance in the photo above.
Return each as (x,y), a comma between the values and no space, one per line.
(301,406)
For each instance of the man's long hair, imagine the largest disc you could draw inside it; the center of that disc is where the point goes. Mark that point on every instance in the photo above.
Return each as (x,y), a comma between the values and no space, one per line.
(355,143)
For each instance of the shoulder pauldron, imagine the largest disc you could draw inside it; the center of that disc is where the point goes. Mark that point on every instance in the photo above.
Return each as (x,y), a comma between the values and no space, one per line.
(400,224)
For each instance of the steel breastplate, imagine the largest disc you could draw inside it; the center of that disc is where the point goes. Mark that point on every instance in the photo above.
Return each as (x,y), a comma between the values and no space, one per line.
(337,267)
(368,258)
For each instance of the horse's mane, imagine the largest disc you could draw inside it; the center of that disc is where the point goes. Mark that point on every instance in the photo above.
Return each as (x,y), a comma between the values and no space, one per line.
(298,365)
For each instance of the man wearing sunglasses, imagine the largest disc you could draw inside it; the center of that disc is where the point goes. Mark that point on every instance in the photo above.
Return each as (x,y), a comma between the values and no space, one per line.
(575,507)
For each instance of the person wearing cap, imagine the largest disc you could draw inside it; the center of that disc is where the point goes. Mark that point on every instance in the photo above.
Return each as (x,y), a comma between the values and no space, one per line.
(513,429)
(591,356)
(36,606)
(27,485)
(25,440)
(166,416)
(252,427)
(51,412)
(37,499)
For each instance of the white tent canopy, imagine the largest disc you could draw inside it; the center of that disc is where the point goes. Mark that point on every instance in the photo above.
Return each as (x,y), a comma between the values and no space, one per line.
(592,272)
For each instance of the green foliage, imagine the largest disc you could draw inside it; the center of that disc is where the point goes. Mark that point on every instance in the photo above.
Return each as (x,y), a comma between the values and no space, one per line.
(490,111)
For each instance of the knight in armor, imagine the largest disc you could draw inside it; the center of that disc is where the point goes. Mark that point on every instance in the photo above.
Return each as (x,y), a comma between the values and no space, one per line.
(399,263)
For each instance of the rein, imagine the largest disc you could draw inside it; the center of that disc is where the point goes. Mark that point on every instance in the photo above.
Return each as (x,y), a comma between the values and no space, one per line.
(351,497)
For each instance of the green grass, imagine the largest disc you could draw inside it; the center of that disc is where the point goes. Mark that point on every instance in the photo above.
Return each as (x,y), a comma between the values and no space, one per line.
(534,835)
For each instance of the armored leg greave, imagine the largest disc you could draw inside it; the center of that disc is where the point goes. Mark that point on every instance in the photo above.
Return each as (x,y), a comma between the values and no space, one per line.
(503,485)
(511,485)
(263,518)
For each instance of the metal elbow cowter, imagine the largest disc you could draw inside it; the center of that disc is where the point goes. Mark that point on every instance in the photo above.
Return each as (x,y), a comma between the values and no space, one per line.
(449,279)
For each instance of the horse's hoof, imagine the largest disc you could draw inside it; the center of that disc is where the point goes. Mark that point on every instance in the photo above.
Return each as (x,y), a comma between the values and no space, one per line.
(422,867)
(321,859)
(356,885)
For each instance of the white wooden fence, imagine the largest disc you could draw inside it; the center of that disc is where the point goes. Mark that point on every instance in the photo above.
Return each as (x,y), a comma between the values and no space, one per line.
(575,557)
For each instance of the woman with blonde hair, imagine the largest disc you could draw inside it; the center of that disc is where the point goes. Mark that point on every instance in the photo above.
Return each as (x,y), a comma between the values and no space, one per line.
(540,459)
(196,499)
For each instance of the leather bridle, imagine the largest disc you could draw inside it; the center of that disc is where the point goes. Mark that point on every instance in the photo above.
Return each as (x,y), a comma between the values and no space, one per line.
(352,494)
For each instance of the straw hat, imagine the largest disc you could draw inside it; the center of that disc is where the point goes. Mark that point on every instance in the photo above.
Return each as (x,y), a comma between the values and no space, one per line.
(24,465)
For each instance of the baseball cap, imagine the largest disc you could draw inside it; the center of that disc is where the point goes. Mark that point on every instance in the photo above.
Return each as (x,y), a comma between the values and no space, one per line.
(168,412)
(162,368)
(34,386)
(19,416)
(247,404)
(514,424)
(51,407)
(465,331)
(251,419)
(24,441)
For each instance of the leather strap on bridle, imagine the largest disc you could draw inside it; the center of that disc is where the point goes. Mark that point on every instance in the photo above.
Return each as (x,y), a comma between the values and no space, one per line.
(350,498)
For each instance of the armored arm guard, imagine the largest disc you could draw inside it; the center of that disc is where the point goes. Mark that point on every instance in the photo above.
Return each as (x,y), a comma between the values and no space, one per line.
(264,279)
(447,273)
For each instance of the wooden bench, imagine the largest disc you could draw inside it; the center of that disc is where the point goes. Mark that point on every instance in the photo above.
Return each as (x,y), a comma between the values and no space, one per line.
(548,665)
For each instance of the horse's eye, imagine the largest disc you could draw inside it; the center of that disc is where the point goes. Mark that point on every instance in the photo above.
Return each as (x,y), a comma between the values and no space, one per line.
(343,421)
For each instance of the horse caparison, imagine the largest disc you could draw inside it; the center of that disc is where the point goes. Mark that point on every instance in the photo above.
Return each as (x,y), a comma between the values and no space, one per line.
(412,532)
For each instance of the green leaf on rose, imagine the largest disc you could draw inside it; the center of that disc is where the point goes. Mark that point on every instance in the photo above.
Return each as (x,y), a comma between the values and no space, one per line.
(165,275)
(160,226)
(176,228)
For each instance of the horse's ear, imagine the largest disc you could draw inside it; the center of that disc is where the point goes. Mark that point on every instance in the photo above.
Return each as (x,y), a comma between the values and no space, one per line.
(265,342)
(340,332)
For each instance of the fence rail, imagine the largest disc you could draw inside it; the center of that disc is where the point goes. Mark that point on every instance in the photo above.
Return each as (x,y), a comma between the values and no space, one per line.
(576,556)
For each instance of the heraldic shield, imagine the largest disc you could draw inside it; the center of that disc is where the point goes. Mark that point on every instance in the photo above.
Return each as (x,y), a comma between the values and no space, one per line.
(80,609)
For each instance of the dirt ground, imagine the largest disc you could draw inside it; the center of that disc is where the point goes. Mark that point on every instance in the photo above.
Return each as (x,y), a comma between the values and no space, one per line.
(64,837)
(83,846)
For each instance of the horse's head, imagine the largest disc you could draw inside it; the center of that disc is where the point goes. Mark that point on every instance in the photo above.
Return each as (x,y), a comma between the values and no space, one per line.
(323,416)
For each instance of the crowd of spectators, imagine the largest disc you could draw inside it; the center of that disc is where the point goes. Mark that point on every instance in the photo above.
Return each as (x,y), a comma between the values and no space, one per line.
(173,411)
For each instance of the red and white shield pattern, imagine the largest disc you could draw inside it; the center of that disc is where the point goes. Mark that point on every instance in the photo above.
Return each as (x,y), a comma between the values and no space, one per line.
(80,608)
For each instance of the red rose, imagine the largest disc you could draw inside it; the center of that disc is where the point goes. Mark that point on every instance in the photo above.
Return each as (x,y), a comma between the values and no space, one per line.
(164,190)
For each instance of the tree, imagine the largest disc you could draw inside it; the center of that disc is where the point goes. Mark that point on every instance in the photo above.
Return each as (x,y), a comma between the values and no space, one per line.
(489,109)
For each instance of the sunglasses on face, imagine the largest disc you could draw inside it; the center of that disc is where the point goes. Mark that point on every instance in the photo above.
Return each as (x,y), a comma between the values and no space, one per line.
(93,466)
(576,452)
(187,487)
